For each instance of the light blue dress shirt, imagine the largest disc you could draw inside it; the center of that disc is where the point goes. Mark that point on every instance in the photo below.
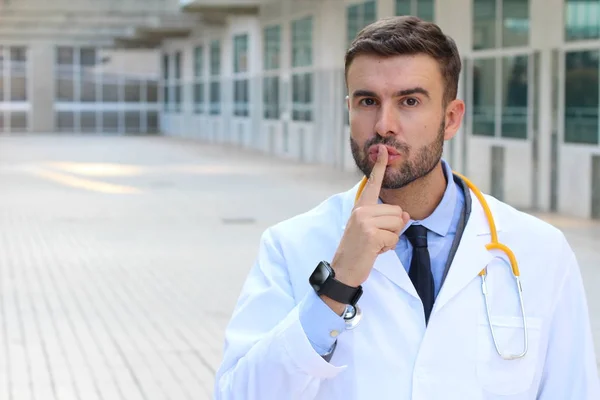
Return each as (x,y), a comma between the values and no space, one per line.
(318,320)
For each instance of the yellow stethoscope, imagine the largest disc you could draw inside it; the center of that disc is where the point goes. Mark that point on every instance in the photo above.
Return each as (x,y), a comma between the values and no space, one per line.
(493,245)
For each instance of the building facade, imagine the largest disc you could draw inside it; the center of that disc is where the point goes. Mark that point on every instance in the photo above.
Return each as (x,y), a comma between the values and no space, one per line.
(272,79)
(268,75)
(69,66)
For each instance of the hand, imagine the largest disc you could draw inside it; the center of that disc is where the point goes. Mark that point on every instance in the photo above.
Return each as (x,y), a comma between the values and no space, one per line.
(371,230)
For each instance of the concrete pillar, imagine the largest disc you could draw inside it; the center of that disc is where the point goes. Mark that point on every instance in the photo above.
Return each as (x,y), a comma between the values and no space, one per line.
(386,8)
(329,94)
(455,19)
(42,87)
(545,13)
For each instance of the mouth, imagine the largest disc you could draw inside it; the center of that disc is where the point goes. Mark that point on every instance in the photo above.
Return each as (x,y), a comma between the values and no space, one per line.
(393,154)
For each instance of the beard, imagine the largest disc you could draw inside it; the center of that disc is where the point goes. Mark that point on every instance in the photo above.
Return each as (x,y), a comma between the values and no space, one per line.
(411,168)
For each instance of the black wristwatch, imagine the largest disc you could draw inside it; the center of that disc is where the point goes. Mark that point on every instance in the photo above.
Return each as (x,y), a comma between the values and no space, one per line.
(324,283)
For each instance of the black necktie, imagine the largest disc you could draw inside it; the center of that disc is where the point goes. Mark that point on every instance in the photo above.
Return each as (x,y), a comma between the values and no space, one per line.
(420,267)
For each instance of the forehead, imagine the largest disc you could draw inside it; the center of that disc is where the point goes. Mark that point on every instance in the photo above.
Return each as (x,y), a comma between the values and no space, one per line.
(374,72)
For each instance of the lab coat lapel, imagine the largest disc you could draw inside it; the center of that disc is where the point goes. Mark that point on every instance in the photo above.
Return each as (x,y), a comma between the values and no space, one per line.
(471,255)
(388,263)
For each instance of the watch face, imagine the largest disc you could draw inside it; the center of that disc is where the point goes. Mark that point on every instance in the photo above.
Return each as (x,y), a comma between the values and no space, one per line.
(319,276)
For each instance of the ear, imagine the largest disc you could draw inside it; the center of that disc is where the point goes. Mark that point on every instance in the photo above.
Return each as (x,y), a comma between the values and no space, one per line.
(454,115)
(348,102)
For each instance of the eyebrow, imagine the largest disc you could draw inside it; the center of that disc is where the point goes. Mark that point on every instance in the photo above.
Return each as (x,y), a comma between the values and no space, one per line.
(400,93)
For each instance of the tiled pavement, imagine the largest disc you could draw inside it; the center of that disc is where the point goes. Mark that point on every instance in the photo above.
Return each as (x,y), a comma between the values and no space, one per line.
(121,258)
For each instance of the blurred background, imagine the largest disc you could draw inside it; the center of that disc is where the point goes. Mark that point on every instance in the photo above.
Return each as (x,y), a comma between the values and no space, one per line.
(146,144)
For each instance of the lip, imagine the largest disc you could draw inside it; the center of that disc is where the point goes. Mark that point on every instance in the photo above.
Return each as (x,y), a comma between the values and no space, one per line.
(391,151)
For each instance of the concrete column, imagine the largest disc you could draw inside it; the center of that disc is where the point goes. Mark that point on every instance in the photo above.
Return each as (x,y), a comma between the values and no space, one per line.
(545,13)
(386,8)
(455,19)
(42,86)
(329,89)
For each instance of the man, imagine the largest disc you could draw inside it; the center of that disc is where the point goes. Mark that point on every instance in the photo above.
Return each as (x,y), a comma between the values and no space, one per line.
(376,292)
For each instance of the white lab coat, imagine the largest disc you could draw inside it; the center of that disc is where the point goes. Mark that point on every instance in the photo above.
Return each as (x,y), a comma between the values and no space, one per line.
(390,355)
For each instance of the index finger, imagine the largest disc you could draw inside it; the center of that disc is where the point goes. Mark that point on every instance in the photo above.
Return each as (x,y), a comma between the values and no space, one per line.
(370,194)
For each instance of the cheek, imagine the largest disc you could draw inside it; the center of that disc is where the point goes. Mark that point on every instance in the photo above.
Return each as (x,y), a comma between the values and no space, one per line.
(362,124)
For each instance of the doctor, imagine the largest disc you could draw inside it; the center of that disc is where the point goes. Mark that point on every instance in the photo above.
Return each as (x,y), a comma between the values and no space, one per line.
(377,292)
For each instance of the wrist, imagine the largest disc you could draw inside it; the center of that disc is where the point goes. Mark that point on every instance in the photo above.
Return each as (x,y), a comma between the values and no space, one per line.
(336,306)
(345,276)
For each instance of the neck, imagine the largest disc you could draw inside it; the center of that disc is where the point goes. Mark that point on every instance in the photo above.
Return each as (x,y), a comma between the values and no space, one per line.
(421,197)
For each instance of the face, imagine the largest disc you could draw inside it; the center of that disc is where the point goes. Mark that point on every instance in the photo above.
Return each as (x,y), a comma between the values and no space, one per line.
(398,101)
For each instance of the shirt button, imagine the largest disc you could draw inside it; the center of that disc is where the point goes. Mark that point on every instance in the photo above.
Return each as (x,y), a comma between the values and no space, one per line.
(334,333)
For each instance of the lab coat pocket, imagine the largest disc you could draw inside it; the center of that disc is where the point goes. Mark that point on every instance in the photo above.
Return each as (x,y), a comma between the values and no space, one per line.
(507,377)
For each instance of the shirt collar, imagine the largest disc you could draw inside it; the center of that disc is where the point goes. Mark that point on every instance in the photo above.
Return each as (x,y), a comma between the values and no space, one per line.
(440,220)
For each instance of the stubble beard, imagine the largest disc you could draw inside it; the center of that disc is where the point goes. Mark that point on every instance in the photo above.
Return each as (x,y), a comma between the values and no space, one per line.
(411,168)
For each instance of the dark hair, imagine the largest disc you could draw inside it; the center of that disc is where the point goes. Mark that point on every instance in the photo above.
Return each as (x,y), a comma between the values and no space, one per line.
(409,35)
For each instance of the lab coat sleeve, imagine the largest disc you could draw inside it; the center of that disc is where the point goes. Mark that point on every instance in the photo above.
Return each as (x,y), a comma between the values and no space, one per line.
(570,370)
(267,355)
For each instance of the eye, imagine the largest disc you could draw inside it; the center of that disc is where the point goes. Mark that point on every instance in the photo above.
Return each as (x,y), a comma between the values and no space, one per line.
(411,102)
(368,102)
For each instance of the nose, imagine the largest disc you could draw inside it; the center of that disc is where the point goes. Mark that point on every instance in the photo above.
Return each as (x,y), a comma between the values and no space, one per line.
(387,120)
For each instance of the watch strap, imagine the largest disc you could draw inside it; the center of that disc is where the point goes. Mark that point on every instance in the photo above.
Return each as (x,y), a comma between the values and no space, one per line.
(341,292)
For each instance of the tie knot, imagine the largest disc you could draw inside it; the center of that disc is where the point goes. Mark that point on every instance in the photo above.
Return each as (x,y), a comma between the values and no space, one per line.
(417,235)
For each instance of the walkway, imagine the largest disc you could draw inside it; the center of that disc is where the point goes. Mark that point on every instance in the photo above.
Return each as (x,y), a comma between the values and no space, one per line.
(122,257)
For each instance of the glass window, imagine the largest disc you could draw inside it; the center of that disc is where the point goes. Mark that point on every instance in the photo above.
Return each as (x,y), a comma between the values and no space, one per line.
(65,56)
(507,18)
(515,97)
(166,98)
(272,50)
(215,98)
(110,90)
(515,26)
(582,19)
(1,76)
(198,62)
(87,121)
(484,24)
(65,121)
(240,98)
(369,12)
(404,7)
(484,97)
(302,97)
(177,97)
(352,22)
(65,89)
(581,97)
(240,51)
(18,87)
(18,121)
(87,57)
(110,121)
(271,97)
(132,121)
(165,67)
(215,58)
(178,65)
(199,97)
(358,16)
(302,42)
(18,54)
(152,91)
(88,89)
(133,91)
(152,121)
(425,9)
